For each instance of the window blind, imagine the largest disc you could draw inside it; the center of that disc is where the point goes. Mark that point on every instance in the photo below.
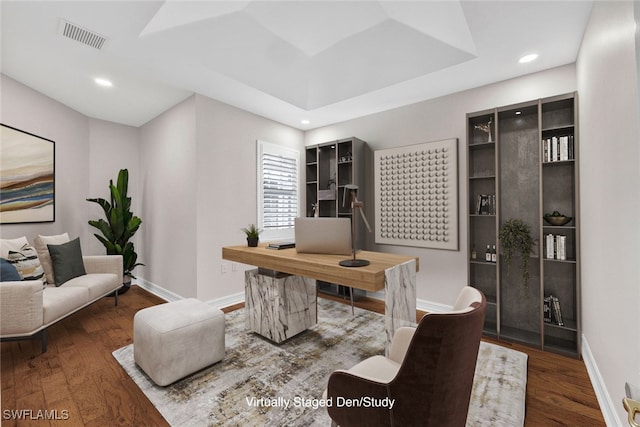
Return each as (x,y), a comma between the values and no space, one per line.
(279,190)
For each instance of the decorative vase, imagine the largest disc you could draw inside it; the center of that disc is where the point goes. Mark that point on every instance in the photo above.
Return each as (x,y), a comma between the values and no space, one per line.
(252,242)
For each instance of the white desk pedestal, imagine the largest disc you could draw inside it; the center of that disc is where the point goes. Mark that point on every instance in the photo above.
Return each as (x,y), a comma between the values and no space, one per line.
(279,308)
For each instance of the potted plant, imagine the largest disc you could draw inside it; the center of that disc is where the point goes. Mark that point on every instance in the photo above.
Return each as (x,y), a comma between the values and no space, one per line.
(253,235)
(515,237)
(120,226)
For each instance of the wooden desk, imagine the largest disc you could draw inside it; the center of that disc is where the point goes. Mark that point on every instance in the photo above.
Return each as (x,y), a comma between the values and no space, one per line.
(320,267)
(396,274)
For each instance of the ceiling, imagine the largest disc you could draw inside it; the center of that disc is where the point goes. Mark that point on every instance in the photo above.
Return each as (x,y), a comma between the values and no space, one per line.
(323,61)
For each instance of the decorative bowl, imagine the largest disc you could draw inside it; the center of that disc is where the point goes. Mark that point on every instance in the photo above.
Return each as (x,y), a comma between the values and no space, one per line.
(557,220)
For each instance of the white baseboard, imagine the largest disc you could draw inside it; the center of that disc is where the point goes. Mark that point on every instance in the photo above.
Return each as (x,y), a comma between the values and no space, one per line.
(158,291)
(607,407)
(226,301)
(169,296)
(421,304)
(432,307)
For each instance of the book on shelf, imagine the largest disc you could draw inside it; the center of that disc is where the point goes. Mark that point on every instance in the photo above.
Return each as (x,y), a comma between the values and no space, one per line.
(551,311)
(557,148)
(557,311)
(546,310)
(485,204)
(550,246)
(556,246)
(561,247)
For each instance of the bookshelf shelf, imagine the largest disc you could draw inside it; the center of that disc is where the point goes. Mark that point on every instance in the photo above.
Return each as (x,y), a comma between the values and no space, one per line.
(569,325)
(483,177)
(485,263)
(566,261)
(516,172)
(560,128)
(568,162)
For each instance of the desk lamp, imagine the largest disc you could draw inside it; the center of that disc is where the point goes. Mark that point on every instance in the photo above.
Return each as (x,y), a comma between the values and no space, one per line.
(356,205)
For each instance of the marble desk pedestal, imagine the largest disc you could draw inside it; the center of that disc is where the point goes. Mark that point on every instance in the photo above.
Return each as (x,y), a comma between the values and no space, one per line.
(275,312)
(279,307)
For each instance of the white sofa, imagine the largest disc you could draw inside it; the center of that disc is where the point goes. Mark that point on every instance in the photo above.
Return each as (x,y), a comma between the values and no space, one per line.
(27,308)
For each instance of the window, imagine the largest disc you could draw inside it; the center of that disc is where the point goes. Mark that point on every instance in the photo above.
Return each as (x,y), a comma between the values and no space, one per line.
(278,190)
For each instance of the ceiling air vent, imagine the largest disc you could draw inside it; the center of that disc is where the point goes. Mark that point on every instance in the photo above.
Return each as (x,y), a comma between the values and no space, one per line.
(82,35)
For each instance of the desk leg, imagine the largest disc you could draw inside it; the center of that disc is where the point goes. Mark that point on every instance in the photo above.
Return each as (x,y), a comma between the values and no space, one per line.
(400,298)
(279,308)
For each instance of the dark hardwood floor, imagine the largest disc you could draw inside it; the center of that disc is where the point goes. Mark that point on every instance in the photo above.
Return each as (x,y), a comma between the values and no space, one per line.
(79,378)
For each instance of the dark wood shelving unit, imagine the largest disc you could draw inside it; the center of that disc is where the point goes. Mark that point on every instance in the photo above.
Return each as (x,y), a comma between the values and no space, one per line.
(514,165)
(331,166)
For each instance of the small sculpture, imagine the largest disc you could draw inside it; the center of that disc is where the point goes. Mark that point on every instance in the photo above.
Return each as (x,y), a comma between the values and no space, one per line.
(486,128)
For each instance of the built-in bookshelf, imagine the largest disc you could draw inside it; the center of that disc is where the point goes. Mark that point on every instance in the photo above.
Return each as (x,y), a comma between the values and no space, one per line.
(559,191)
(329,167)
(482,211)
(522,163)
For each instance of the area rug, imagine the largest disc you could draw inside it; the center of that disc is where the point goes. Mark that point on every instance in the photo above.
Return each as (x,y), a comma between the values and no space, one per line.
(262,384)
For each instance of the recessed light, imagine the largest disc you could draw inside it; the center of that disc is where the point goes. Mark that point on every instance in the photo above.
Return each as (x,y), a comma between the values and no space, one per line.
(528,58)
(305,121)
(103,82)
(518,113)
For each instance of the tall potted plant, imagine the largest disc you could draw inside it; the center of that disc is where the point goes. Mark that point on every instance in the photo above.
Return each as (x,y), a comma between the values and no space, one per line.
(120,226)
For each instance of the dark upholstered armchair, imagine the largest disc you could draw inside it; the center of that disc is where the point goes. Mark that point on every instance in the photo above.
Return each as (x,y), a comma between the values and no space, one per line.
(428,374)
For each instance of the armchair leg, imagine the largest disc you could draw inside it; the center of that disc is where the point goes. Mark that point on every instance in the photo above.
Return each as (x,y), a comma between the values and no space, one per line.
(116,297)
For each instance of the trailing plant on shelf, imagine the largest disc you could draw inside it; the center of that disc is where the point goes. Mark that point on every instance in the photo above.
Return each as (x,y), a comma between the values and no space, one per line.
(515,238)
(120,225)
(253,235)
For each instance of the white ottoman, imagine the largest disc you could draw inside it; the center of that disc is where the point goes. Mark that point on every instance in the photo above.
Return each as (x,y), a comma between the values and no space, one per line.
(173,340)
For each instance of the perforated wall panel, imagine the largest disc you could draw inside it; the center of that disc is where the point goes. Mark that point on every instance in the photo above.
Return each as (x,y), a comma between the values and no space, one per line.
(417,195)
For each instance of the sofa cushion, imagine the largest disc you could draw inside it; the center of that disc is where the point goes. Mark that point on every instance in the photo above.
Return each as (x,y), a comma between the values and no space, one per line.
(96,284)
(8,272)
(41,243)
(66,260)
(26,261)
(60,301)
(7,245)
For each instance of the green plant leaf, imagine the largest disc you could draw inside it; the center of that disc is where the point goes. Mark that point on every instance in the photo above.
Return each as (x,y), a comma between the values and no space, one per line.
(515,237)
(120,224)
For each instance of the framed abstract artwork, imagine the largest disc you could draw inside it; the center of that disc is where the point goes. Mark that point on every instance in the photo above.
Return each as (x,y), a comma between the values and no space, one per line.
(27,177)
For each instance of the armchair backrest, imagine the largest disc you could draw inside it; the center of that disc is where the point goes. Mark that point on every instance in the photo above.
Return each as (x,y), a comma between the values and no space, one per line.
(433,385)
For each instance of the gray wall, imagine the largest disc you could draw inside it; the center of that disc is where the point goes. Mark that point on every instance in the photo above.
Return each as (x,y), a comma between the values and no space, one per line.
(168,182)
(610,202)
(198,189)
(227,198)
(443,273)
(88,153)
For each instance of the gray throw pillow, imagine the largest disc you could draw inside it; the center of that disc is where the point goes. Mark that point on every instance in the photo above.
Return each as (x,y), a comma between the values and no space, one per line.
(67,261)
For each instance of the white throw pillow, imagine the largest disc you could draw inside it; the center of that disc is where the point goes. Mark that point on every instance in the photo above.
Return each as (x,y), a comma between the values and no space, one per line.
(7,245)
(41,243)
